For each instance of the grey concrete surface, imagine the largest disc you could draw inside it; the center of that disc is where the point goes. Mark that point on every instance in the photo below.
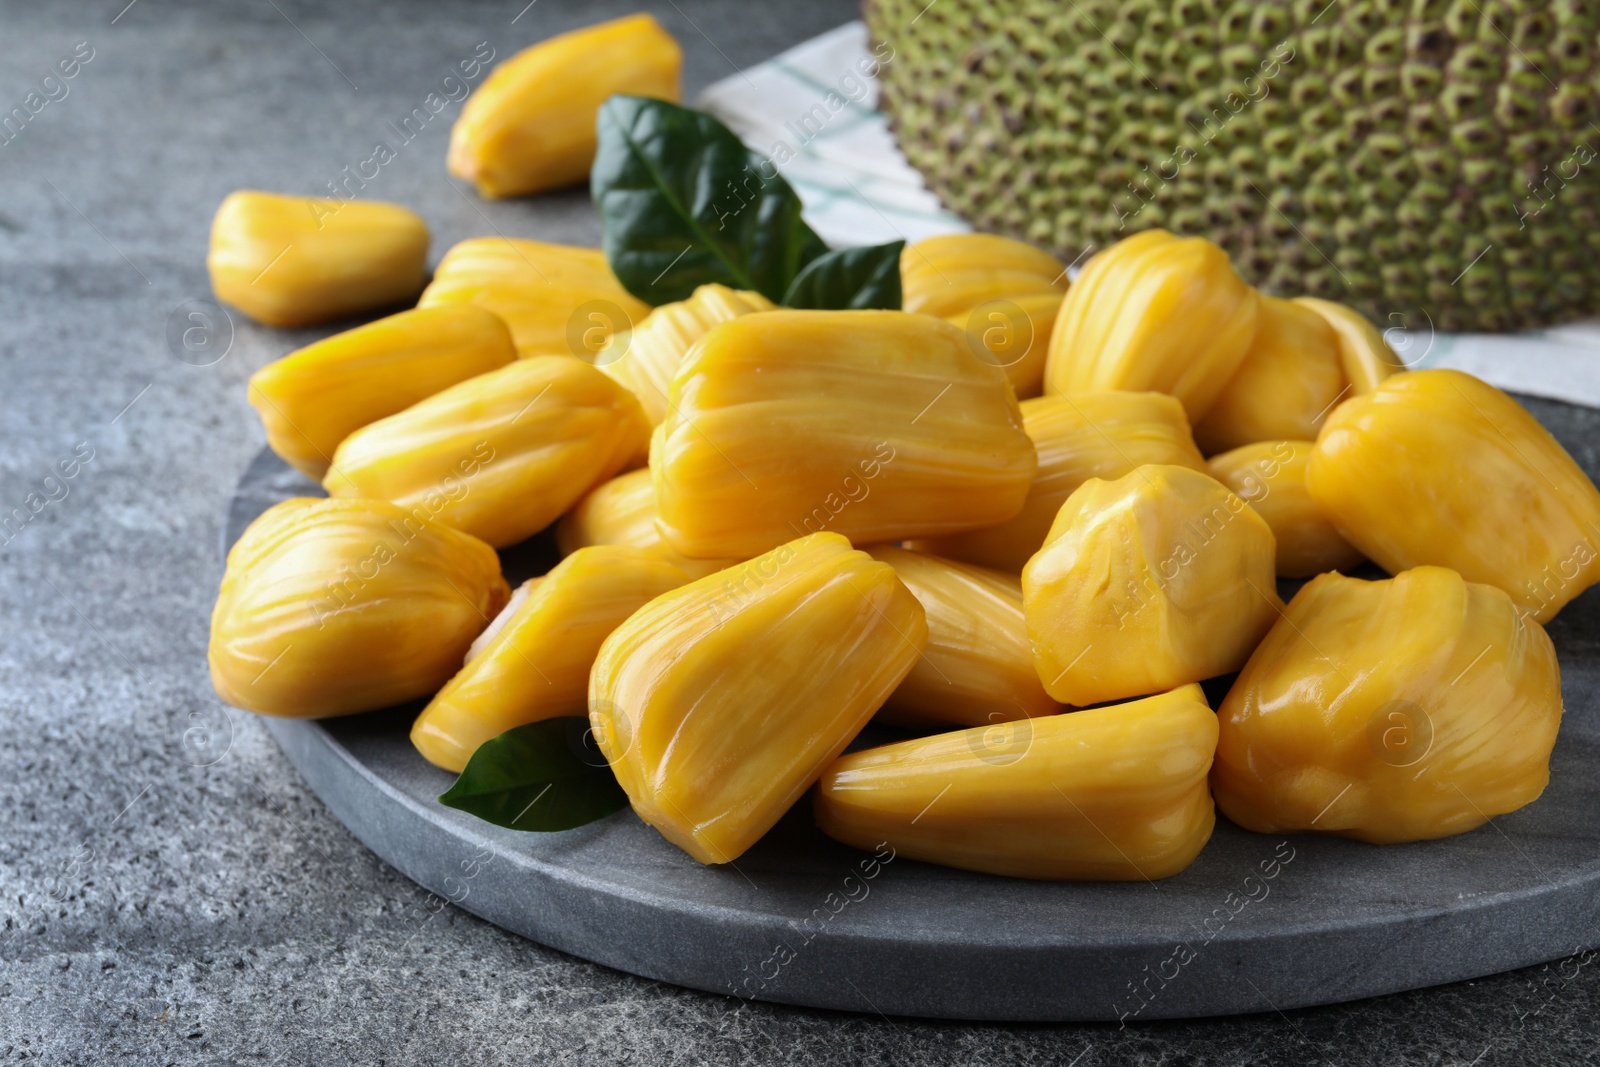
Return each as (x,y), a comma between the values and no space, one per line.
(169,891)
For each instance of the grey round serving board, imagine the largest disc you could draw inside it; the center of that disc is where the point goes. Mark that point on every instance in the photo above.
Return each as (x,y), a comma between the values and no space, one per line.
(1258,923)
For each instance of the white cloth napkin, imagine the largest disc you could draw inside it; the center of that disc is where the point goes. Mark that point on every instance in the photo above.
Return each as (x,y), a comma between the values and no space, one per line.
(813,110)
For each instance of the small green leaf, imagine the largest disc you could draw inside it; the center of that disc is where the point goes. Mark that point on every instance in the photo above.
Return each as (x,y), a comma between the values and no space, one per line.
(543,776)
(684,203)
(850,279)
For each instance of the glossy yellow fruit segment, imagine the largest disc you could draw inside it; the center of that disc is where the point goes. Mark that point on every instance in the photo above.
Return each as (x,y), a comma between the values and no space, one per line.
(312,399)
(1270,476)
(1290,378)
(647,358)
(499,456)
(1095,435)
(1400,710)
(1154,312)
(557,299)
(531,125)
(622,511)
(329,607)
(977,668)
(536,666)
(879,425)
(718,704)
(1437,467)
(298,261)
(1004,293)
(1157,579)
(1108,794)
(1365,358)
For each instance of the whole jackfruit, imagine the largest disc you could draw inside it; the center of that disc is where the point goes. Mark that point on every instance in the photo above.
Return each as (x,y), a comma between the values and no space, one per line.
(720,703)
(1398,710)
(1401,157)
(1002,292)
(1093,435)
(1438,467)
(330,607)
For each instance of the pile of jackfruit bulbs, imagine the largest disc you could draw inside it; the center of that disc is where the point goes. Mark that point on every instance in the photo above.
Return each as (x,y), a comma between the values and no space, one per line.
(1021,519)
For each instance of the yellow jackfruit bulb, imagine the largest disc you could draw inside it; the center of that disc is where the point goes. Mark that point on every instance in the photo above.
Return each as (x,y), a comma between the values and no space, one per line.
(1108,794)
(536,664)
(1290,378)
(330,607)
(718,704)
(531,125)
(977,668)
(1270,476)
(622,511)
(1365,358)
(1095,435)
(1398,710)
(1002,292)
(1160,578)
(557,299)
(298,261)
(500,456)
(1154,312)
(312,399)
(880,425)
(1437,467)
(647,358)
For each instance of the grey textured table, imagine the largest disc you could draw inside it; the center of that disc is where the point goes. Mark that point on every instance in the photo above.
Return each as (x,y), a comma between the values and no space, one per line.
(169,891)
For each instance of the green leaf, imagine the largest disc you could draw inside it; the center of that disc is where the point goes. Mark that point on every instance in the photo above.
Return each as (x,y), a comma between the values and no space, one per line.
(850,279)
(543,776)
(684,203)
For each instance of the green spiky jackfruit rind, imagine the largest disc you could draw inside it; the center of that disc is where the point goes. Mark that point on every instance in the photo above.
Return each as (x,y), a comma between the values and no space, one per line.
(1427,161)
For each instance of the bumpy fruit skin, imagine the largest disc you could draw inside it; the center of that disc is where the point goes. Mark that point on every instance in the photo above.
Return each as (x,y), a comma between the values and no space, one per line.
(1005,293)
(646,359)
(1294,373)
(1437,467)
(1270,476)
(330,607)
(1400,710)
(312,399)
(531,125)
(298,261)
(536,666)
(880,425)
(1108,794)
(557,299)
(499,456)
(622,511)
(977,668)
(1364,152)
(1160,578)
(1154,312)
(1095,435)
(718,704)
